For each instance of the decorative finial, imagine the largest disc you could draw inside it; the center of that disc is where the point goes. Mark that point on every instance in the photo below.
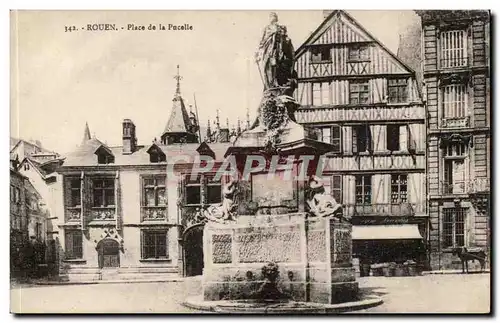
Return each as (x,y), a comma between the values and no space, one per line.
(217,118)
(248,118)
(227,123)
(178,77)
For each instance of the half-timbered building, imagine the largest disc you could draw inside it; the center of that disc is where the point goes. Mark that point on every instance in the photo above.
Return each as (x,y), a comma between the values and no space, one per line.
(456,65)
(363,100)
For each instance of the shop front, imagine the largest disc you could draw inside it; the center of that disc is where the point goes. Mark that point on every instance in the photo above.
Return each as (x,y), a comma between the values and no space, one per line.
(396,243)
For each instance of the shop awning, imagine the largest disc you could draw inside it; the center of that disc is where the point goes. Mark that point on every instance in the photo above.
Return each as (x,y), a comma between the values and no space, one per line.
(385,232)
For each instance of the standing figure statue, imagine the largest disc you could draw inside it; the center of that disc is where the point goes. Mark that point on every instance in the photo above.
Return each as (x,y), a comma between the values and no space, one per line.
(274,57)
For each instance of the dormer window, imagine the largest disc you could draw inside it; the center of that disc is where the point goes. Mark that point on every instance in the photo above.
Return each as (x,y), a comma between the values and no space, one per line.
(156,155)
(321,54)
(104,156)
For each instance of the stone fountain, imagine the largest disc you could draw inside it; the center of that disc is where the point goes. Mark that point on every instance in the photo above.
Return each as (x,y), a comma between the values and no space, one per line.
(278,242)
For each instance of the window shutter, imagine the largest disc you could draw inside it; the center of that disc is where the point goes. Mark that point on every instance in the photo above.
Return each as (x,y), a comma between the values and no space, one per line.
(354,140)
(403,138)
(369,138)
(142,244)
(337,188)
(411,142)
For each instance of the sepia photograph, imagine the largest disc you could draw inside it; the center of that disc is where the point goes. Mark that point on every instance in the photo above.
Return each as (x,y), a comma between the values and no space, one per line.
(250,162)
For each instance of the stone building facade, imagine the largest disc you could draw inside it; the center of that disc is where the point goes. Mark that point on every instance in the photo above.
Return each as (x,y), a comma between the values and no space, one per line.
(456,72)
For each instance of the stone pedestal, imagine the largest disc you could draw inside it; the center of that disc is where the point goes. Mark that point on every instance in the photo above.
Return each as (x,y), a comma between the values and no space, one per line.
(314,258)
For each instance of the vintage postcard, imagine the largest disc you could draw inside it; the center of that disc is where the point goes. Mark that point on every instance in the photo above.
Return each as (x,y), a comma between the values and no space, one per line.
(271,162)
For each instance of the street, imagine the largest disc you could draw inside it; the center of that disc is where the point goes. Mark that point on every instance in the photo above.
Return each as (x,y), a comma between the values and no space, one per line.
(424,294)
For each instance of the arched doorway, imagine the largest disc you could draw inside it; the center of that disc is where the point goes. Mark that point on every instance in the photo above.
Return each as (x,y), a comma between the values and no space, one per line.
(109,253)
(193,250)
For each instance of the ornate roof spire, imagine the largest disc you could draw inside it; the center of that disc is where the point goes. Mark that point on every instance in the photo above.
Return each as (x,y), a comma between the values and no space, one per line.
(178,77)
(217,120)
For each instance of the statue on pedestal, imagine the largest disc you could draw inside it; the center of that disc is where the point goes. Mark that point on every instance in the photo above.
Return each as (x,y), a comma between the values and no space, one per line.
(322,204)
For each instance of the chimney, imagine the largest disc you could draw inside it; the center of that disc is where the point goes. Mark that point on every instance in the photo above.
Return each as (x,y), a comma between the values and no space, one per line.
(129,139)
(326,13)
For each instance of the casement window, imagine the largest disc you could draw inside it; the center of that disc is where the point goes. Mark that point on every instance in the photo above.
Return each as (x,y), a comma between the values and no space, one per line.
(333,186)
(455,168)
(361,139)
(399,188)
(453,51)
(358,92)
(75,192)
(331,135)
(73,244)
(393,137)
(104,192)
(454,101)
(454,227)
(363,189)
(154,191)
(154,244)
(397,90)
(12,194)
(321,54)
(202,190)
(359,53)
(321,93)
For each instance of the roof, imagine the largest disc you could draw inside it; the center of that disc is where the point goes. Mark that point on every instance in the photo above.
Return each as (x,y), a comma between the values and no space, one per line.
(84,155)
(409,47)
(14,142)
(330,19)
(179,118)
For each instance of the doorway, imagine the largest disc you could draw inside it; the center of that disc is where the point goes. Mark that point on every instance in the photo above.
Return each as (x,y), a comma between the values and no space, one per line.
(193,251)
(109,253)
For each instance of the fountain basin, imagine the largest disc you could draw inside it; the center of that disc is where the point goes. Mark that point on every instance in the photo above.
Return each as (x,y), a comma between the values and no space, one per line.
(282,307)
(313,255)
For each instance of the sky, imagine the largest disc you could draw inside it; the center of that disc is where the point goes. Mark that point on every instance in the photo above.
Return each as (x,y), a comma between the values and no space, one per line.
(60,80)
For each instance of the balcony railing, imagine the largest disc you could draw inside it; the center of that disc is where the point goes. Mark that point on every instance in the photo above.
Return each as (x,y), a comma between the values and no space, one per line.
(476,185)
(402,209)
(454,62)
(462,122)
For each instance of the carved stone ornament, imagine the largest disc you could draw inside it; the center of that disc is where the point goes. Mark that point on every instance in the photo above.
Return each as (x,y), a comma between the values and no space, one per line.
(320,203)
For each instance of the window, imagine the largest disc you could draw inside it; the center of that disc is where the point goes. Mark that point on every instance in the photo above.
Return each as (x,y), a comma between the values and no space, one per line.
(17,195)
(214,190)
(333,186)
(12,193)
(154,191)
(321,54)
(157,157)
(454,101)
(211,193)
(364,189)
(358,92)
(75,192)
(154,244)
(455,168)
(361,140)
(38,231)
(399,189)
(105,159)
(398,90)
(453,48)
(193,190)
(454,227)
(104,192)
(359,53)
(321,93)
(331,135)
(393,135)
(74,244)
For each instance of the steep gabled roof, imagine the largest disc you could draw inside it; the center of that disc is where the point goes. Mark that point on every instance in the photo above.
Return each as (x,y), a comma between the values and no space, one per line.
(358,34)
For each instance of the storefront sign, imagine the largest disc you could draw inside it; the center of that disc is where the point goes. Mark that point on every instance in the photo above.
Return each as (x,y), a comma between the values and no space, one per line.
(381,220)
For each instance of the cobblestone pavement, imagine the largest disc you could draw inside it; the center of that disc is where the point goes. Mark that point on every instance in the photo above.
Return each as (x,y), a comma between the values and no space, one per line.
(425,294)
